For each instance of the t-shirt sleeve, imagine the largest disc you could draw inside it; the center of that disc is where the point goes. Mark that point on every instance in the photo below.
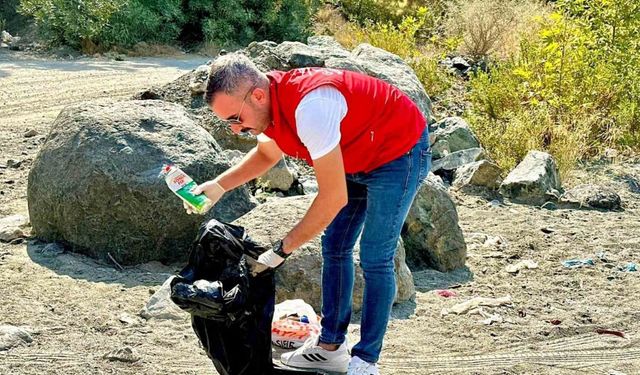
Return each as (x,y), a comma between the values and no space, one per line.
(318,118)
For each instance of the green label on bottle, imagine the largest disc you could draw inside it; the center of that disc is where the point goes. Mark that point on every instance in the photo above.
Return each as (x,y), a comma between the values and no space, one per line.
(197,201)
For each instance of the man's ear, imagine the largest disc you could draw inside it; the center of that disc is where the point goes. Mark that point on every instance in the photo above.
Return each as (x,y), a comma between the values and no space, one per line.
(260,95)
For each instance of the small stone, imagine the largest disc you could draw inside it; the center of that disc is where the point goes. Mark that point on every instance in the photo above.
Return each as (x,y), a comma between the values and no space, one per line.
(30,133)
(11,336)
(14,163)
(126,354)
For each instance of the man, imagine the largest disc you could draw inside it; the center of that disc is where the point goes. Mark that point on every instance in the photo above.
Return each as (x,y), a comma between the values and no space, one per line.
(368,145)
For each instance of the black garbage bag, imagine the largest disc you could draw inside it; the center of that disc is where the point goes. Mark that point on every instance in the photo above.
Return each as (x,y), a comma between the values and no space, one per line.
(231,309)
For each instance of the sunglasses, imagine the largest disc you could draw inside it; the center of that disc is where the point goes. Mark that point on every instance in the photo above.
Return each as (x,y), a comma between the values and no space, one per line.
(236,120)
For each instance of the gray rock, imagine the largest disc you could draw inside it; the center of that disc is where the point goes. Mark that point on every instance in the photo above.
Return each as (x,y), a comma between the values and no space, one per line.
(328,43)
(433,236)
(280,177)
(11,336)
(4,45)
(299,55)
(95,181)
(481,173)
(534,181)
(309,184)
(234,156)
(440,149)
(5,37)
(457,159)
(13,227)
(346,63)
(457,134)
(460,63)
(30,133)
(126,354)
(178,92)
(161,307)
(392,69)
(198,81)
(591,196)
(300,276)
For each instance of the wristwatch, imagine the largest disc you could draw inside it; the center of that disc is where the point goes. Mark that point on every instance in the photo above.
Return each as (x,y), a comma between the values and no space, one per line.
(277,248)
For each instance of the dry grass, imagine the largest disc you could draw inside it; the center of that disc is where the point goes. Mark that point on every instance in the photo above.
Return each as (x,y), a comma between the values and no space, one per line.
(492,27)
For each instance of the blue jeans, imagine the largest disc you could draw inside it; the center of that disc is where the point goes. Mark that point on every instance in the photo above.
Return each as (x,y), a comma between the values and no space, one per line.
(379,202)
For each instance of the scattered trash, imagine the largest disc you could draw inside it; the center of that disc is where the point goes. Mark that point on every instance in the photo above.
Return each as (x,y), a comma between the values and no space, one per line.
(576,263)
(547,230)
(602,256)
(602,331)
(615,372)
(446,293)
(555,322)
(293,322)
(490,318)
(629,267)
(471,304)
(515,268)
(522,313)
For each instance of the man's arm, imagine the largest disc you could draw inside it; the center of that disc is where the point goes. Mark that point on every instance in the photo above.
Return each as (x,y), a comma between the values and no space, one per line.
(331,198)
(254,164)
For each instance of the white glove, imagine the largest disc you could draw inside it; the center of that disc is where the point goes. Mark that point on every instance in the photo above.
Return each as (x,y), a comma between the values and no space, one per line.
(270,259)
(212,190)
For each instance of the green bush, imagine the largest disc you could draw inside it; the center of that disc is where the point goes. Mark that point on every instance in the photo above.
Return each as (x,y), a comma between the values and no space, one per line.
(238,22)
(572,90)
(156,21)
(71,22)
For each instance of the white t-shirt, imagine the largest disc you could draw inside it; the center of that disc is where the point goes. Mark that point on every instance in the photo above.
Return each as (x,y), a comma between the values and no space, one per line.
(318,118)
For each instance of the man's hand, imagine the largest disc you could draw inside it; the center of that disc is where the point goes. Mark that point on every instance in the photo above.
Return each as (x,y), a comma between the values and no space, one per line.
(211,189)
(270,259)
(275,257)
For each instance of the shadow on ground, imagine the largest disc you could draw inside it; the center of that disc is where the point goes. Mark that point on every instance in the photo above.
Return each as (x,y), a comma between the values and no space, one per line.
(78,266)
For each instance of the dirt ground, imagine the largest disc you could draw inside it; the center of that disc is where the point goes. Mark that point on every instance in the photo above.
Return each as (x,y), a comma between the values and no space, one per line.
(79,310)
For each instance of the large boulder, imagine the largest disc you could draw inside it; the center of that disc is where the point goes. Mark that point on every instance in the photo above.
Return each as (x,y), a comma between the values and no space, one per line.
(95,185)
(300,276)
(534,181)
(432,236)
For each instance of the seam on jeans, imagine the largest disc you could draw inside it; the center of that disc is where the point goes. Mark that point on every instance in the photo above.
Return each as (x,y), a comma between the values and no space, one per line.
(342,241)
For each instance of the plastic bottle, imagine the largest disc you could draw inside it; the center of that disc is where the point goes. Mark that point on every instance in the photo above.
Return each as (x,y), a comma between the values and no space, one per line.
(181,184)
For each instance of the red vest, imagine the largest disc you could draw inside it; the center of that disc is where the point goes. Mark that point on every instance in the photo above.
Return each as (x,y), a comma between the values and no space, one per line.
(381,123)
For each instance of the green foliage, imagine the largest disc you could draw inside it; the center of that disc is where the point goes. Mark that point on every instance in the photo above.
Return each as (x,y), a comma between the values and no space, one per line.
(573,90)
(157,21)
(238,22)
(71,21)
(402,40)
(99,24)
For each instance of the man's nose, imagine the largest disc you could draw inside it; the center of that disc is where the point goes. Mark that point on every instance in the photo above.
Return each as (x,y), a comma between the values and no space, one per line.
(236,128)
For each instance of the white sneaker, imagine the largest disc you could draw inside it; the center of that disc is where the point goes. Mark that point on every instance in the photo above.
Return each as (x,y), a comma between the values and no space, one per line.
(312,356)
(359,367)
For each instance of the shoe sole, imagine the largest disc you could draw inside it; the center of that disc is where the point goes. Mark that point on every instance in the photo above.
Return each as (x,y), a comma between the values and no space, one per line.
(318,371)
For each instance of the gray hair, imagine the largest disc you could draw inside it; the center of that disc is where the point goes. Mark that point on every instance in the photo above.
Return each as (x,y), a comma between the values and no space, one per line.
(230,71)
